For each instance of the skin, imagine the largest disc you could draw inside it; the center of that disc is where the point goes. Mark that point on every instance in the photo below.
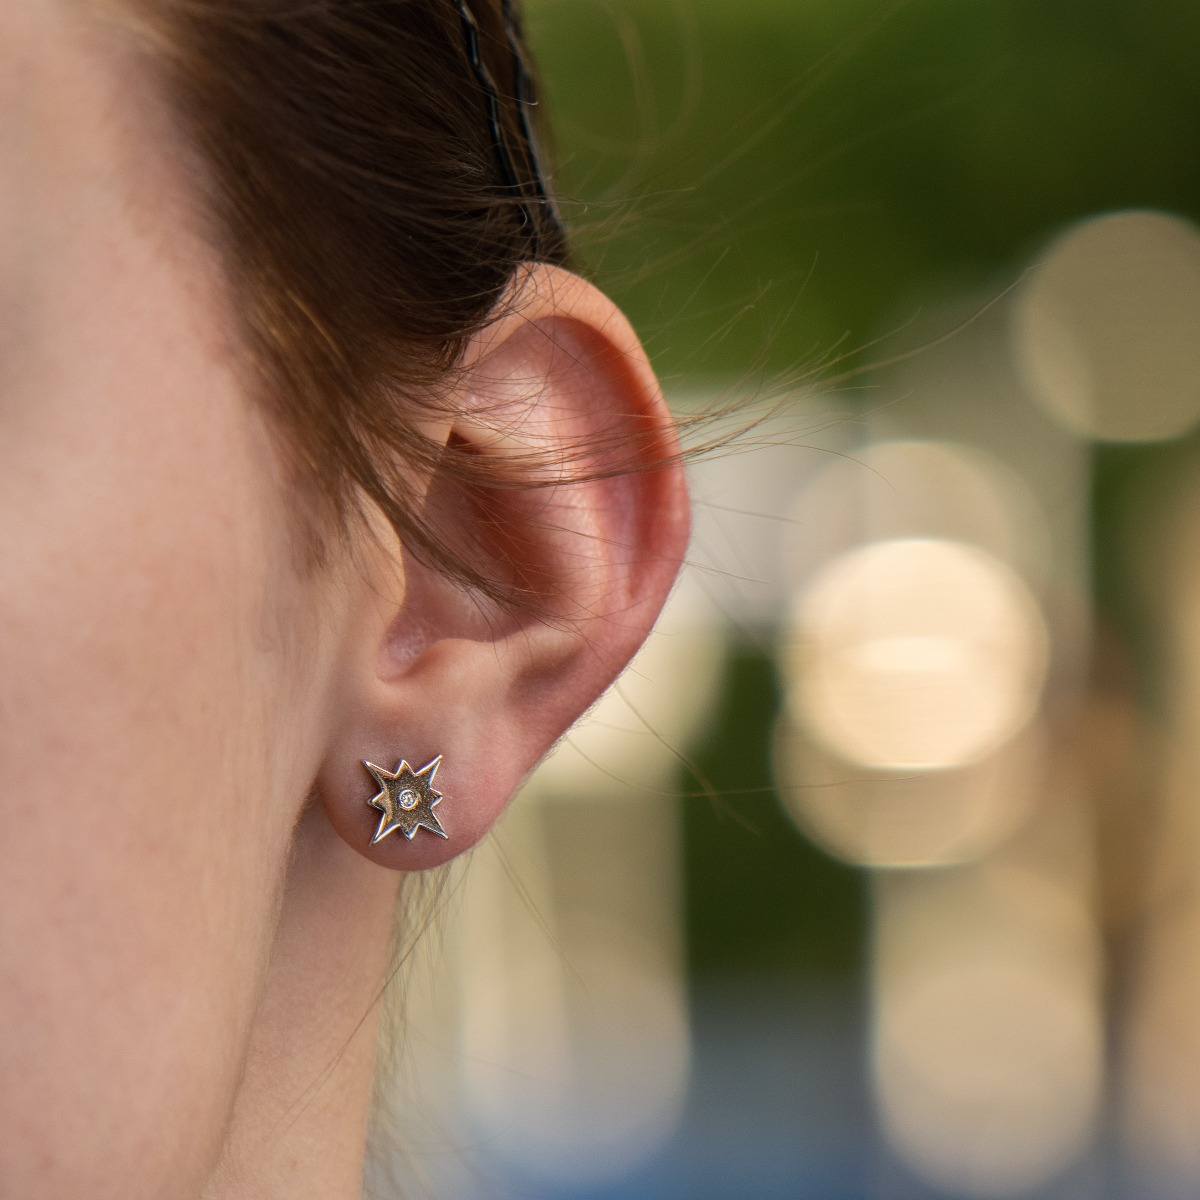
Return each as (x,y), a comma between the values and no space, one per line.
(193,926)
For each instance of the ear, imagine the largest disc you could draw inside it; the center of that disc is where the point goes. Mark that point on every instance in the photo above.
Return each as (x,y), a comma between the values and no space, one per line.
(561,386)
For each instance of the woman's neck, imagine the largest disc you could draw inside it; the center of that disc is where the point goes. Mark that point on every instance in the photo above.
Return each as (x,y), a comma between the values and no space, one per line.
(299,1123)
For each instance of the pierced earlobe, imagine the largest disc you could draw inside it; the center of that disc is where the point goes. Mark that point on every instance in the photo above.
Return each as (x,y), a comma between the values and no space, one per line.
(406,800)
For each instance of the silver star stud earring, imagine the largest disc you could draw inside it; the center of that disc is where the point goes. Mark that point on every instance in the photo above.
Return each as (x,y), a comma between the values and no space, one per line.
(406,799)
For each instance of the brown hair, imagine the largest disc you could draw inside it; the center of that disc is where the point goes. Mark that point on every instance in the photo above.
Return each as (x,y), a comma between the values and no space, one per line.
(350,170)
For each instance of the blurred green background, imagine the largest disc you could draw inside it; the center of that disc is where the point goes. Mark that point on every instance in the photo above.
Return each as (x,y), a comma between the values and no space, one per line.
(771,186)
(766,182)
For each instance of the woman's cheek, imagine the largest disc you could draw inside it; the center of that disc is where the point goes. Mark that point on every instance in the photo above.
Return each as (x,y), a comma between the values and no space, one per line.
(145,574)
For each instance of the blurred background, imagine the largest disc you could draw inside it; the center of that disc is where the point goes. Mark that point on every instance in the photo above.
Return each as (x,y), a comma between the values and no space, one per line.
(877,876)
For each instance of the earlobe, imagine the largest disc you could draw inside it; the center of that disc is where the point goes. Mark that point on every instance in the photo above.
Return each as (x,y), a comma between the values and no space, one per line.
(588,538)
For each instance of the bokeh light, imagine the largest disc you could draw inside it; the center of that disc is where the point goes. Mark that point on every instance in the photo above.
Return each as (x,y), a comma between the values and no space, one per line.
(574,1060)
(988,1074)
(988,1053)
(915,654)
(908,819)
(1105,329)
(928,489)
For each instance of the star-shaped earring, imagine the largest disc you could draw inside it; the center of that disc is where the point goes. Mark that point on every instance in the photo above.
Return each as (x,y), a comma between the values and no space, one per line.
(406,799)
